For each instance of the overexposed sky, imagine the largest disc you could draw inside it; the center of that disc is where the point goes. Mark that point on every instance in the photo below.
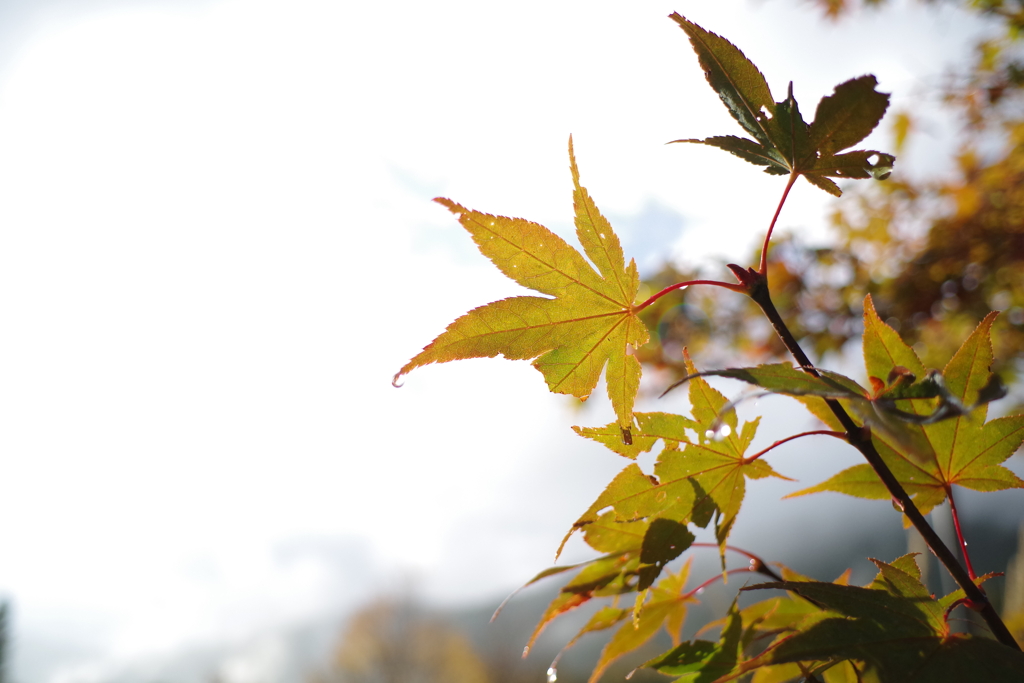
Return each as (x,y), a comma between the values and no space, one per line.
(217,245)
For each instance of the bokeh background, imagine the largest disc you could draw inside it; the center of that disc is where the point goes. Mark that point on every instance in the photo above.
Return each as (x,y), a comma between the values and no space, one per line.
(217,246)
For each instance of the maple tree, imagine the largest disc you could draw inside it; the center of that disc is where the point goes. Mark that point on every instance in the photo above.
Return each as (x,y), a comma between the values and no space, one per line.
(921,432)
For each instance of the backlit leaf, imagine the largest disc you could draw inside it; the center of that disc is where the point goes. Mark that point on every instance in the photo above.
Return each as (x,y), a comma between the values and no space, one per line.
(783,378)
(610,575)
(716,461)
(665,540)
(848,115)
(666,607)
(737,81)
(588,325)
(783,141)
(607,534)
(929,458)
(633,495)
(895,626)
(648,429)
(700,661)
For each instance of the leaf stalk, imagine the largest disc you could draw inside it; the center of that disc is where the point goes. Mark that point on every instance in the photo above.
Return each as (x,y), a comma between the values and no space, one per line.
(959,532)
(763,268)
(756,563)
(823,432)
(680,285)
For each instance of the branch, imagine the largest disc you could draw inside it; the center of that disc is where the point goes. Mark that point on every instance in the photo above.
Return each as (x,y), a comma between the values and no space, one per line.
(860,438)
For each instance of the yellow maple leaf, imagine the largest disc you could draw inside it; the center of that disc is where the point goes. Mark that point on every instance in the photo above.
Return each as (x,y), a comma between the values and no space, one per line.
(589,322)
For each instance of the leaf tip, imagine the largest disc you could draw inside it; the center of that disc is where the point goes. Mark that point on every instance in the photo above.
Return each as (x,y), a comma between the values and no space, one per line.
(572,165)
(454,207)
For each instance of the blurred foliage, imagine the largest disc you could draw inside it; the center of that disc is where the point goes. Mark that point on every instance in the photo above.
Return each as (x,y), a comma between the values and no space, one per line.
(391,641)
(1013,604)
(5,637)
(936,254)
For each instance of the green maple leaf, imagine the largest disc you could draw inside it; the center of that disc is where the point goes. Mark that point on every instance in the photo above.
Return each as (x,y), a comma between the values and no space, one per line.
(694,474)
(701,661)
(666,606)
(783,142)
(895,626)
(588,324)
(930,431)
(716,460)
(928,459)
(610,575)
(649,428)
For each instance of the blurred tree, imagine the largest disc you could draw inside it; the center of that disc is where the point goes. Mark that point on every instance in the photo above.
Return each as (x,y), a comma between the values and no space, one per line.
(5,635)
(391,641)
(1013,604)
(936,255)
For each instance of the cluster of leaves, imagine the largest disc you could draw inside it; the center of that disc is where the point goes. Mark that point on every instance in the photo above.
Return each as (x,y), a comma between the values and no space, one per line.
(929,428)
(891,629)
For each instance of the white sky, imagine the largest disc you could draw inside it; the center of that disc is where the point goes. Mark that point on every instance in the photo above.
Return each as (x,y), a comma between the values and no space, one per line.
(218,246)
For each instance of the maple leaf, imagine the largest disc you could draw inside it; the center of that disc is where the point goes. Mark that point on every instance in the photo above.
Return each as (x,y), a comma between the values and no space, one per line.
(912,642)
(964,450)
(635,561)
(605,576)
(694,476)
(666,607)
(716,460)
(649,428)
(701,661)
(588,324)
(783,142)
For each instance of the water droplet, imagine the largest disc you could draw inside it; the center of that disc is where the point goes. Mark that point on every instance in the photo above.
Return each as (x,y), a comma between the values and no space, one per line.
(722,431)
(526,651)
(700,591)
(552,675)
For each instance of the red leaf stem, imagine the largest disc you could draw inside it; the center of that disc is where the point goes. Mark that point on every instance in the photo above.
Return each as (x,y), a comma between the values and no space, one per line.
(680,285)
(716,577)
(824,432)
(959,532)
(763,269)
